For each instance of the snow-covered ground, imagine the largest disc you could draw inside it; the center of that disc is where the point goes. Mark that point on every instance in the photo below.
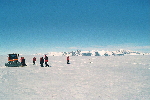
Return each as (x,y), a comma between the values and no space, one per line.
(86,78)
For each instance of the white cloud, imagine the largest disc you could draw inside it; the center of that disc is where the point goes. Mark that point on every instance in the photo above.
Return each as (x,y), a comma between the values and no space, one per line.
(73,47)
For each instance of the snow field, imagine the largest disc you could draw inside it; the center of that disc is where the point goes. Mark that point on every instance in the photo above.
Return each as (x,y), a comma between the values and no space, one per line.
(86,78)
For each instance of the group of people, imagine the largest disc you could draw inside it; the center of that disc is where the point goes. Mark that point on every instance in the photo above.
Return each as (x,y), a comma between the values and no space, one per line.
(46,61)
(41,61)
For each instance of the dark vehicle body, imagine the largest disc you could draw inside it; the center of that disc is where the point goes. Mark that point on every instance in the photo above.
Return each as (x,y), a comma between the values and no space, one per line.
(13,61)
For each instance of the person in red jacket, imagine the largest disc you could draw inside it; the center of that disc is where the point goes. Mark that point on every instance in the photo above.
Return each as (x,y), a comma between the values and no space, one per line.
(21,59)
(46,60)
(68,60)
(34,59)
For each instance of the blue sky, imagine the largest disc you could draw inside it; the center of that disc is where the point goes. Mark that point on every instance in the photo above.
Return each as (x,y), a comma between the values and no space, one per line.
(41,26)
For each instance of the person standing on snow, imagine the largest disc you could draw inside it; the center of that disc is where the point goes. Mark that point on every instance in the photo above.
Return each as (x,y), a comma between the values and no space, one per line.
(46,60)
(68,60)
(41,61)
(34,59)
(23,62)
(21,59)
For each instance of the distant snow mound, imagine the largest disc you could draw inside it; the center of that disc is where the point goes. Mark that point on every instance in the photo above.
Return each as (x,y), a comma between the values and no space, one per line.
(120,52)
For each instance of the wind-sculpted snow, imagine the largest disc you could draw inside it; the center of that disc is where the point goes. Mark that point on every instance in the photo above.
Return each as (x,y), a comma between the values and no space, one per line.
(86,78)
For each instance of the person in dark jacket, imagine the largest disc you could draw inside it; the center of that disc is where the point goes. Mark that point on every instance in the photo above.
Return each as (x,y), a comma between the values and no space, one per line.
(46,60)
(68,60)
(41,61)
(23,62)
(34,59)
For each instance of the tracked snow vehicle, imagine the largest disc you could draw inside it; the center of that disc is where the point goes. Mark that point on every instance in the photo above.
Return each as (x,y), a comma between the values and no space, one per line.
(13,61)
